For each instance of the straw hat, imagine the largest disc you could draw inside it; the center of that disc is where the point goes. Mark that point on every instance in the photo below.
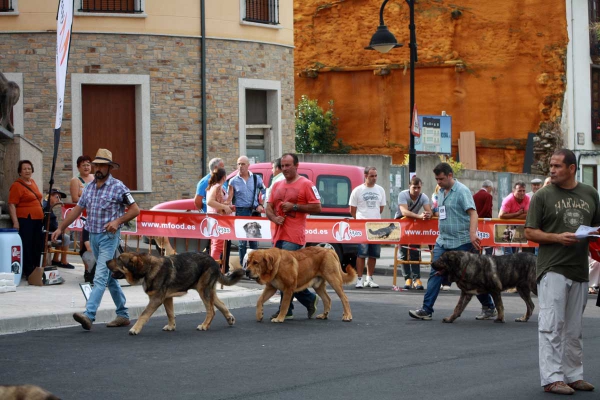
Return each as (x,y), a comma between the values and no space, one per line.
(104,156)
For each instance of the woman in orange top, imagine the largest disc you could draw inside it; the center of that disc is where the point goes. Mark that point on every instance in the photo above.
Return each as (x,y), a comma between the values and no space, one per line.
(26,213)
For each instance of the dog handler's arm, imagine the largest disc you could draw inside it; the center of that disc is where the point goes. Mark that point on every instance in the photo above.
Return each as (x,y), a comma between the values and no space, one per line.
(132,212)
(541,237)
(69,218)
(473,223)
(277,219)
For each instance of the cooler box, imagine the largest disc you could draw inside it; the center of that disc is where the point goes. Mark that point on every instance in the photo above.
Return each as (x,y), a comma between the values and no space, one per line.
(11,253)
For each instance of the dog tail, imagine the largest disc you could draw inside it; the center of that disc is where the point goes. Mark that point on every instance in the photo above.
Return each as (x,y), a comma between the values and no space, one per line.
(231,279)
(349,276)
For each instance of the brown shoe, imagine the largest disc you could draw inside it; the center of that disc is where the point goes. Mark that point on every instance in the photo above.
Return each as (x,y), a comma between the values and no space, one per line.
(119,321)
(83,320)
(558,387)
(582,385)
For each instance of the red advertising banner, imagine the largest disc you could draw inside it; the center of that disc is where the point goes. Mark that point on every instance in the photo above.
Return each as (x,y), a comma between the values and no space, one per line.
(192,225)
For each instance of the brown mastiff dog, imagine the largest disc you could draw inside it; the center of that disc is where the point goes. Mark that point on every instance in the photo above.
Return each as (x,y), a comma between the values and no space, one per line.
(293,271)
(166,277)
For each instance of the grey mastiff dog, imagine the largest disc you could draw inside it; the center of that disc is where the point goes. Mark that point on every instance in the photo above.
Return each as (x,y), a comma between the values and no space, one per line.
(478,274)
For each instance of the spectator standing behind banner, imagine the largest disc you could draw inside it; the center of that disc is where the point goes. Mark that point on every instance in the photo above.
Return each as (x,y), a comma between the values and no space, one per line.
(105,201)
(26,213)
(367,202)
(55,198)
(410,203)
(200,198)
(484,203)
(217,203)
(556,212)
(244,189)
(458,232)
(536,184)
(277,176)
(290,203)
(514,206)
(78,184)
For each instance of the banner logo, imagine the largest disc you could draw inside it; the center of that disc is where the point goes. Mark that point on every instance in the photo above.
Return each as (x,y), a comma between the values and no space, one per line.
(15,259)
(342,232)
(209,227)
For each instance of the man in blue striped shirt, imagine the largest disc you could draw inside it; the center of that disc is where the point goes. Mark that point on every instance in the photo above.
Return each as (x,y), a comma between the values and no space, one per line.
(105,200)
(458,232)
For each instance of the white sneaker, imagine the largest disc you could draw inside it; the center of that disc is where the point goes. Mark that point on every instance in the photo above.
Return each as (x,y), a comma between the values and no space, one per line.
(445,288)
(359,283)
(370,283)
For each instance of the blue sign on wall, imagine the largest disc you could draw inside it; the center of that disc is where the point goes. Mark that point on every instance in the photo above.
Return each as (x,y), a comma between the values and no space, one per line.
(436,134)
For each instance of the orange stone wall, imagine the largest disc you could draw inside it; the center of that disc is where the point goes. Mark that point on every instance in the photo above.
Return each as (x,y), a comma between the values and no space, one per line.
(513,53)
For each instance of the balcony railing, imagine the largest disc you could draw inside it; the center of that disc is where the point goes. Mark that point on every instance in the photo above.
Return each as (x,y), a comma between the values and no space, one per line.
(110,6)
(262,11)
(6,6)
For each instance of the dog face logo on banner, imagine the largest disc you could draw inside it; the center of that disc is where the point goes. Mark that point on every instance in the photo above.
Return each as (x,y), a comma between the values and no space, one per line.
(209,227)
(15,259)
(341,231)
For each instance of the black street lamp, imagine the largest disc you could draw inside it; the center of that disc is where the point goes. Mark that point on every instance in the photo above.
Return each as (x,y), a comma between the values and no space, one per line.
(383,41)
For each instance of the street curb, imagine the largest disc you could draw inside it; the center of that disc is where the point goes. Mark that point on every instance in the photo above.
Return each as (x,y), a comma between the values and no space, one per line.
(233,300)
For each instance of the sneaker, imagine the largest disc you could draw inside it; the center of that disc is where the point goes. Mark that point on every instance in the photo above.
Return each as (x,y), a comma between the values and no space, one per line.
(581,385)
(312,309)
(117,322)
(370,283)
(408,284)
(56,263)
(487,313)
(359,283)
(419,284)
(288,316)
(67,265)
(558,387)
(445,288)
(420,314)
(85,322)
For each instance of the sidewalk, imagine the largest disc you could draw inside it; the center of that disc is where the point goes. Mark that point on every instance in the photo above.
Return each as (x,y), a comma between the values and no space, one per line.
(47,307)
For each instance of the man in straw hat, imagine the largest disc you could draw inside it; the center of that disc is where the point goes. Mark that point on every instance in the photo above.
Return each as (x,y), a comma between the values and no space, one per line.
(105,200)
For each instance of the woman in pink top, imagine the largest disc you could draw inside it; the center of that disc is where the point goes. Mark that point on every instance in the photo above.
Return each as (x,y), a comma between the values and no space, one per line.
(217,203)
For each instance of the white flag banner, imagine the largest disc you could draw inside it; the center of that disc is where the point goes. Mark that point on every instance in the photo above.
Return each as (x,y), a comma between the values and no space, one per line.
(415,128)
(64,24)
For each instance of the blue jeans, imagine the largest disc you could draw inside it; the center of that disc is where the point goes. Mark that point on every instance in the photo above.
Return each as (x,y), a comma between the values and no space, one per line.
(305,297)
(435,280)
(104,246)
(243,244)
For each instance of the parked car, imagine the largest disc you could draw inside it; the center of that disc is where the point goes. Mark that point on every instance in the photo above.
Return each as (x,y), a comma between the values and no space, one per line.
(335,184)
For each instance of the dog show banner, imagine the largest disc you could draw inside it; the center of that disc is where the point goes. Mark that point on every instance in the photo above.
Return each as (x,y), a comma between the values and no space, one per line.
(193,225)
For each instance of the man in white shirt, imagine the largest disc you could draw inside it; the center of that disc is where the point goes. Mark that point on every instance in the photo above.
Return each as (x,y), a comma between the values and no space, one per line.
(367,202)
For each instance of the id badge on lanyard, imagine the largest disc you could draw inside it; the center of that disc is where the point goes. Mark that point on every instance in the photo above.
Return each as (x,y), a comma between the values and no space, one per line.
(442,212)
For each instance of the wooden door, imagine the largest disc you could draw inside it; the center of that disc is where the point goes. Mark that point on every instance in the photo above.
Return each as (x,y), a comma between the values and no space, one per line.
(109,123)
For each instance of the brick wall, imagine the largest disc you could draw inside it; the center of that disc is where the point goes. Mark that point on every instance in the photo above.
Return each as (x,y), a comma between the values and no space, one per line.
(173,64)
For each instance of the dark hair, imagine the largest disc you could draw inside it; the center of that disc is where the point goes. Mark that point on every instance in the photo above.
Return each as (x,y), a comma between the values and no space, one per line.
(277,163)
(519,183)
(444,168)
(415,181)
(569,157)
(81,159)
(24,162)
(294,157)
(216,176)
(367,169)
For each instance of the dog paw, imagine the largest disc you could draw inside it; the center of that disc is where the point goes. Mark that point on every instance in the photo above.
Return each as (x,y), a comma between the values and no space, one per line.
(447,320)
(133,331)
(521,319)
(231,319)
(499,321)
(347,318)
(275,320)
(168,328)
(202,327)
(322,316)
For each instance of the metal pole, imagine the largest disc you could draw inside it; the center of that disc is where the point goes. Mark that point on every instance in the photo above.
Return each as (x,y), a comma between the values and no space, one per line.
(203,82)
(412,155)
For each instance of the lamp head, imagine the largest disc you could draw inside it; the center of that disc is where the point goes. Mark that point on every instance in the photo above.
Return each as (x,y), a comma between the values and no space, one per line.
(383,40)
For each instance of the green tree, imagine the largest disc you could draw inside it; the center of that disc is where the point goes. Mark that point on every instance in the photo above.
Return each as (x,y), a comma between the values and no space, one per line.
(316,130)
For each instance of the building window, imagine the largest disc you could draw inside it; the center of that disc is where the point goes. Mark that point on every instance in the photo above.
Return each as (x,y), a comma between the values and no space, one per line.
(9,7)
(99,100)
(589,175)
(111,6)
(261,11)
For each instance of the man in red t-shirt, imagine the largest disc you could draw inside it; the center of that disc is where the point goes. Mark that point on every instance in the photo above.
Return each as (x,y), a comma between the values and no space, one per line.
(514,206)
(484,202)
(289,203)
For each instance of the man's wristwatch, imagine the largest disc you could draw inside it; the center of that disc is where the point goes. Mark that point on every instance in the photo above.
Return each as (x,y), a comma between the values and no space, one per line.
(295,208)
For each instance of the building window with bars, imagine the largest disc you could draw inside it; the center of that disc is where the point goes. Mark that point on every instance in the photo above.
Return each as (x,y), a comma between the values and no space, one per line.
(6,5)
(261,11)
(111,6)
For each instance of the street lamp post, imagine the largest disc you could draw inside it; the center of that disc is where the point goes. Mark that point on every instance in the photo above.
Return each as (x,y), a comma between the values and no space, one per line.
(383,41)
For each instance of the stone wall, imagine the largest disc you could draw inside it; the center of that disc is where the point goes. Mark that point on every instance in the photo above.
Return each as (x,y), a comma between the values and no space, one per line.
(173,64)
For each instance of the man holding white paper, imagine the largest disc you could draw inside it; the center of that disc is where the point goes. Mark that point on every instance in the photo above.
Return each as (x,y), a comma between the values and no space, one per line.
(555,214)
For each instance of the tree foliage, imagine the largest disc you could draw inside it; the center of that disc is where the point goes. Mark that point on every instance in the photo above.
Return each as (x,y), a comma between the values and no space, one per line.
(316,130)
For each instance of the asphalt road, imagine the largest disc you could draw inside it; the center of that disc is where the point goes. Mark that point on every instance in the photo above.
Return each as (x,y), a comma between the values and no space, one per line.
(381,354)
